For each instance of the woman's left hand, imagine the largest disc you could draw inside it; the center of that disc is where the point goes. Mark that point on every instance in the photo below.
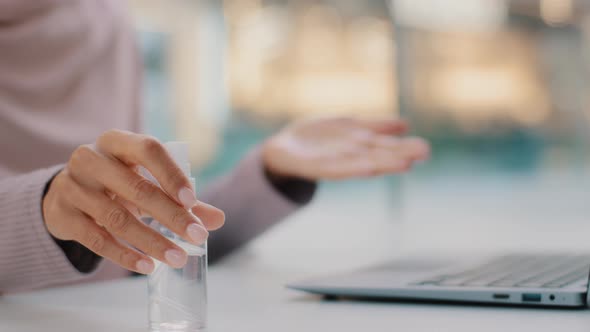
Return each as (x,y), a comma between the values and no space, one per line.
(342,148)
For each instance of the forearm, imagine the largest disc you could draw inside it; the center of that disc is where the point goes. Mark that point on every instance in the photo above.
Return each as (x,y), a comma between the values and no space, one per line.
(252,202)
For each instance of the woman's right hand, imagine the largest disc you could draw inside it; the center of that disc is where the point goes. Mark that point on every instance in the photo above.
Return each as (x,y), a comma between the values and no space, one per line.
(97,198)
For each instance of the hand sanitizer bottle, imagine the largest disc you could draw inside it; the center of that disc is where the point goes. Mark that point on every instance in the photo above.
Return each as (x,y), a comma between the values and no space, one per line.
(178,297)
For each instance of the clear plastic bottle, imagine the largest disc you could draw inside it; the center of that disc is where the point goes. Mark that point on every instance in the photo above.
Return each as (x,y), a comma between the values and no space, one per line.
(178,297)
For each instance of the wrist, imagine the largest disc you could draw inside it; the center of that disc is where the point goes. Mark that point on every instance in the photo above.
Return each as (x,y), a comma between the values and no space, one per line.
(268,155)
(294,188)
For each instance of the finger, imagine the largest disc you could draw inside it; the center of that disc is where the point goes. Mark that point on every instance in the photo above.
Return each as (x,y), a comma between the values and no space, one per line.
(134,149)
(132,187)
(391,143)
(387,163)
(417,148)
(347,169)
(384,126)
(367,164)
(132,208)
(121,223)
(212,217)
(412,147)
(99,241)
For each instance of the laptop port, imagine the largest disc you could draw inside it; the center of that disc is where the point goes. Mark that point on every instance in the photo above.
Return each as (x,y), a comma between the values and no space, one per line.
(501,296)
(531,297)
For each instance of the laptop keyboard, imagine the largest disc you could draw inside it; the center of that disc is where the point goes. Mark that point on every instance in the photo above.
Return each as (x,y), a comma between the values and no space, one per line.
(530,271)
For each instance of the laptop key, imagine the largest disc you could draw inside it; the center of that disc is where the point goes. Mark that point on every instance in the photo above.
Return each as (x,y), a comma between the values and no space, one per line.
(564,281)
(518,271)
(503,283)
(452,282)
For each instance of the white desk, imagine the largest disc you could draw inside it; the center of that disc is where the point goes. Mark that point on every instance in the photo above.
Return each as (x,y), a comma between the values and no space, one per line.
(247,293)
(256,301)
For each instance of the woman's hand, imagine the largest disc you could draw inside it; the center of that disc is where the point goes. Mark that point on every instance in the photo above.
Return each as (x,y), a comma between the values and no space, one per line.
(342,148)
(97,199)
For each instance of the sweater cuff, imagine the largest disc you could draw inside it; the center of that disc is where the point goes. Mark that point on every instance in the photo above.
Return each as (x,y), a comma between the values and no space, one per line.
(297,190)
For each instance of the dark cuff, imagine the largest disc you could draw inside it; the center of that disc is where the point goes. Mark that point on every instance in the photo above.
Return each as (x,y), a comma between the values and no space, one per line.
(297,190)
(84,260)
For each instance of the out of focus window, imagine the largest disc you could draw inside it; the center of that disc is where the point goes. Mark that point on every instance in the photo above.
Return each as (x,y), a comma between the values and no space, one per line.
(226,74)
(500,87)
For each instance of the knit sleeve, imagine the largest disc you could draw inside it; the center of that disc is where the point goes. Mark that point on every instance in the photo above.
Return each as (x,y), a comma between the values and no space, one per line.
(29,256)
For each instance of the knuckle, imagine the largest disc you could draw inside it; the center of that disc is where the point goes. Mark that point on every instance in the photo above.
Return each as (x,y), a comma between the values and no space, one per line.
(68,190)
(155,246)
(96,241)
(179,219)
(126,258)
(177,179)
(83,156)
(118,221)
(106,136)
(59,182)
(143,189)
(151,146)
(63,189)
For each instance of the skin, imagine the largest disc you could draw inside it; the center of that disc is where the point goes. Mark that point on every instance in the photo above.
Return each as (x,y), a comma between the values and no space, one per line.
(98,197)
(343,148)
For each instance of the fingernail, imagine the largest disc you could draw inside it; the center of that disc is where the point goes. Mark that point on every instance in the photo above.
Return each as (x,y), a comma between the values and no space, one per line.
(187,197)
(175,257)
(145,266)
(197,233)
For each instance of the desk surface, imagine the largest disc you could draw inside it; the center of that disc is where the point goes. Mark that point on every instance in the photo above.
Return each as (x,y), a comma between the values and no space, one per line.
(246,291)
(257,302)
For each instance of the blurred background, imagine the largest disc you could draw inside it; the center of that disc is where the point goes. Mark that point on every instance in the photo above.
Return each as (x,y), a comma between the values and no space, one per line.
(499,87)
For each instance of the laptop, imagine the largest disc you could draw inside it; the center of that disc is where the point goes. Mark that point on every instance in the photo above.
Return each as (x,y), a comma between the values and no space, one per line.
(432,55)
(547,280)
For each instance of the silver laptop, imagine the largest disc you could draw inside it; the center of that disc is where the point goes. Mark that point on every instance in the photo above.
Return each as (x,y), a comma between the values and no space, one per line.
(552,280)
(443,79)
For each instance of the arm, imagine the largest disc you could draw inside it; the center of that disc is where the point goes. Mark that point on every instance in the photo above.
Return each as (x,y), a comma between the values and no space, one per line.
(40,231)
(29,257)
(12,10)
(253,201)
(277,178)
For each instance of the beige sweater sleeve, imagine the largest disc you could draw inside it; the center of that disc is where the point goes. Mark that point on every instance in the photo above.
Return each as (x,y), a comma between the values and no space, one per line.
(29,257)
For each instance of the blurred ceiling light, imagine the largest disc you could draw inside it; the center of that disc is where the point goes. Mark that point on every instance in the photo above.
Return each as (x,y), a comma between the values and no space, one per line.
(556,12)
(370,42)
(261,31)
(340,93)
(309,60)
(450,14)
(319,38)
(483,93)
